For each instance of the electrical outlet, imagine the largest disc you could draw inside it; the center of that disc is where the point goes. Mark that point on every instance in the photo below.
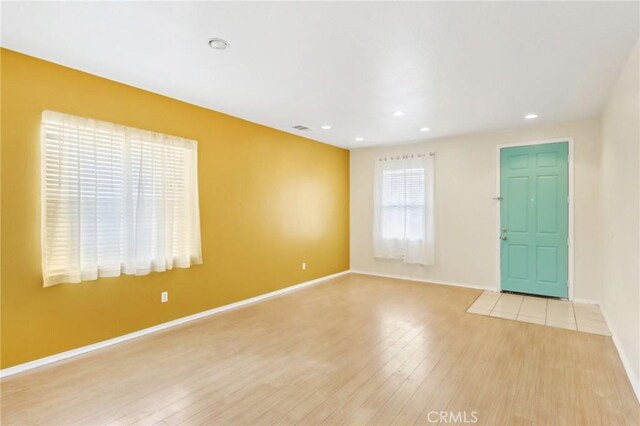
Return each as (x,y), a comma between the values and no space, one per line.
(164,297)
(304,265)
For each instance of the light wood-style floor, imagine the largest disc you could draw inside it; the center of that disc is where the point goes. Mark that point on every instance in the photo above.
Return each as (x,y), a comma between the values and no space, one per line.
(355,350)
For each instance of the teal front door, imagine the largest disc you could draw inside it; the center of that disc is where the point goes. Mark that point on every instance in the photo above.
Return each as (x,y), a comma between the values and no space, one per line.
(534,219)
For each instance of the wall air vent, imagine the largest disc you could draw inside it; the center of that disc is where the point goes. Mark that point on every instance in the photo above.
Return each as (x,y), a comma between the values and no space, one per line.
(301,127)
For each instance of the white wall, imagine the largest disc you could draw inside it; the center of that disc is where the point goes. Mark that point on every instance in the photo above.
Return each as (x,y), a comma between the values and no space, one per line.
(466,230)
(621,216)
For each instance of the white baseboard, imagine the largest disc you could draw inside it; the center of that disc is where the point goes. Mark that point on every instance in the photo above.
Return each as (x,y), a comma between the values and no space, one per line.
(635,383)
(586,301)
(425,280)
(74,352)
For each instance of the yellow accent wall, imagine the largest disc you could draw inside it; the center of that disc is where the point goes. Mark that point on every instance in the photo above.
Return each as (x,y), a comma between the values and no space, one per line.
(269,201)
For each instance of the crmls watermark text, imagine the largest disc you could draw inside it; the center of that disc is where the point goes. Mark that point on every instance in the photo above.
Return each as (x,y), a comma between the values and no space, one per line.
(452,416)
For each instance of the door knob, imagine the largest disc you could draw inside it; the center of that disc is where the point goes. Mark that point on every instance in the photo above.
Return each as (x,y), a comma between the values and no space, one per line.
(503,238)
(503,230)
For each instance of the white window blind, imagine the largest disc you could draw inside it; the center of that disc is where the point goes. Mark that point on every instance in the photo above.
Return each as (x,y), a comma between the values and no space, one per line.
(403,209)
(115,200)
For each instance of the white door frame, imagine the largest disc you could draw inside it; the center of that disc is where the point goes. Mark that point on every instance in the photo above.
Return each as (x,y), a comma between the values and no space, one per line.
(570,212)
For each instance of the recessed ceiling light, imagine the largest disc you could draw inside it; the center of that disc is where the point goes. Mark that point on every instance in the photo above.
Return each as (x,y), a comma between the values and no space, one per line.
(218,44)
(531,116)
(424,129)
(398,114)
(325,127)
(359,138)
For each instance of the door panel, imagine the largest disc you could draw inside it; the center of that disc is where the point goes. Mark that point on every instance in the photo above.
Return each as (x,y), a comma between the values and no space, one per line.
(534,219)
(547,204)
(518,220)
(547,264)
(518,262)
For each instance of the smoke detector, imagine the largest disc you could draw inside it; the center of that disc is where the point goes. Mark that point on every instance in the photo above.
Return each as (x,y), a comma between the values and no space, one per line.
(218,44)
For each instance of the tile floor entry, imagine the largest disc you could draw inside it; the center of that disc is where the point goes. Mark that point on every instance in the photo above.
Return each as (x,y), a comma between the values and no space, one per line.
(539,310)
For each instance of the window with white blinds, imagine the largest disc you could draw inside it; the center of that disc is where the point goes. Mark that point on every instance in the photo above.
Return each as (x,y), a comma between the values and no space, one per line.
(403,209)
(403,204)
(115,200)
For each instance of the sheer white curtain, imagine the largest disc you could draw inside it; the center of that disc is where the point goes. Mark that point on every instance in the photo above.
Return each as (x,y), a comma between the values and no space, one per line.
(404,209)
(115,200)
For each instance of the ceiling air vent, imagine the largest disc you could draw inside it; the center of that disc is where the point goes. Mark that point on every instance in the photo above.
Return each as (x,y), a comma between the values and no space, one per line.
(301,127)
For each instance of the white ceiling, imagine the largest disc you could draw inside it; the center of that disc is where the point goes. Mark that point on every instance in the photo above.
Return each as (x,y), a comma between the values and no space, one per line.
(453,67)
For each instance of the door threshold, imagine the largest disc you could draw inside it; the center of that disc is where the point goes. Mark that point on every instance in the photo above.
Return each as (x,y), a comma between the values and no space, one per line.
(534,295)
